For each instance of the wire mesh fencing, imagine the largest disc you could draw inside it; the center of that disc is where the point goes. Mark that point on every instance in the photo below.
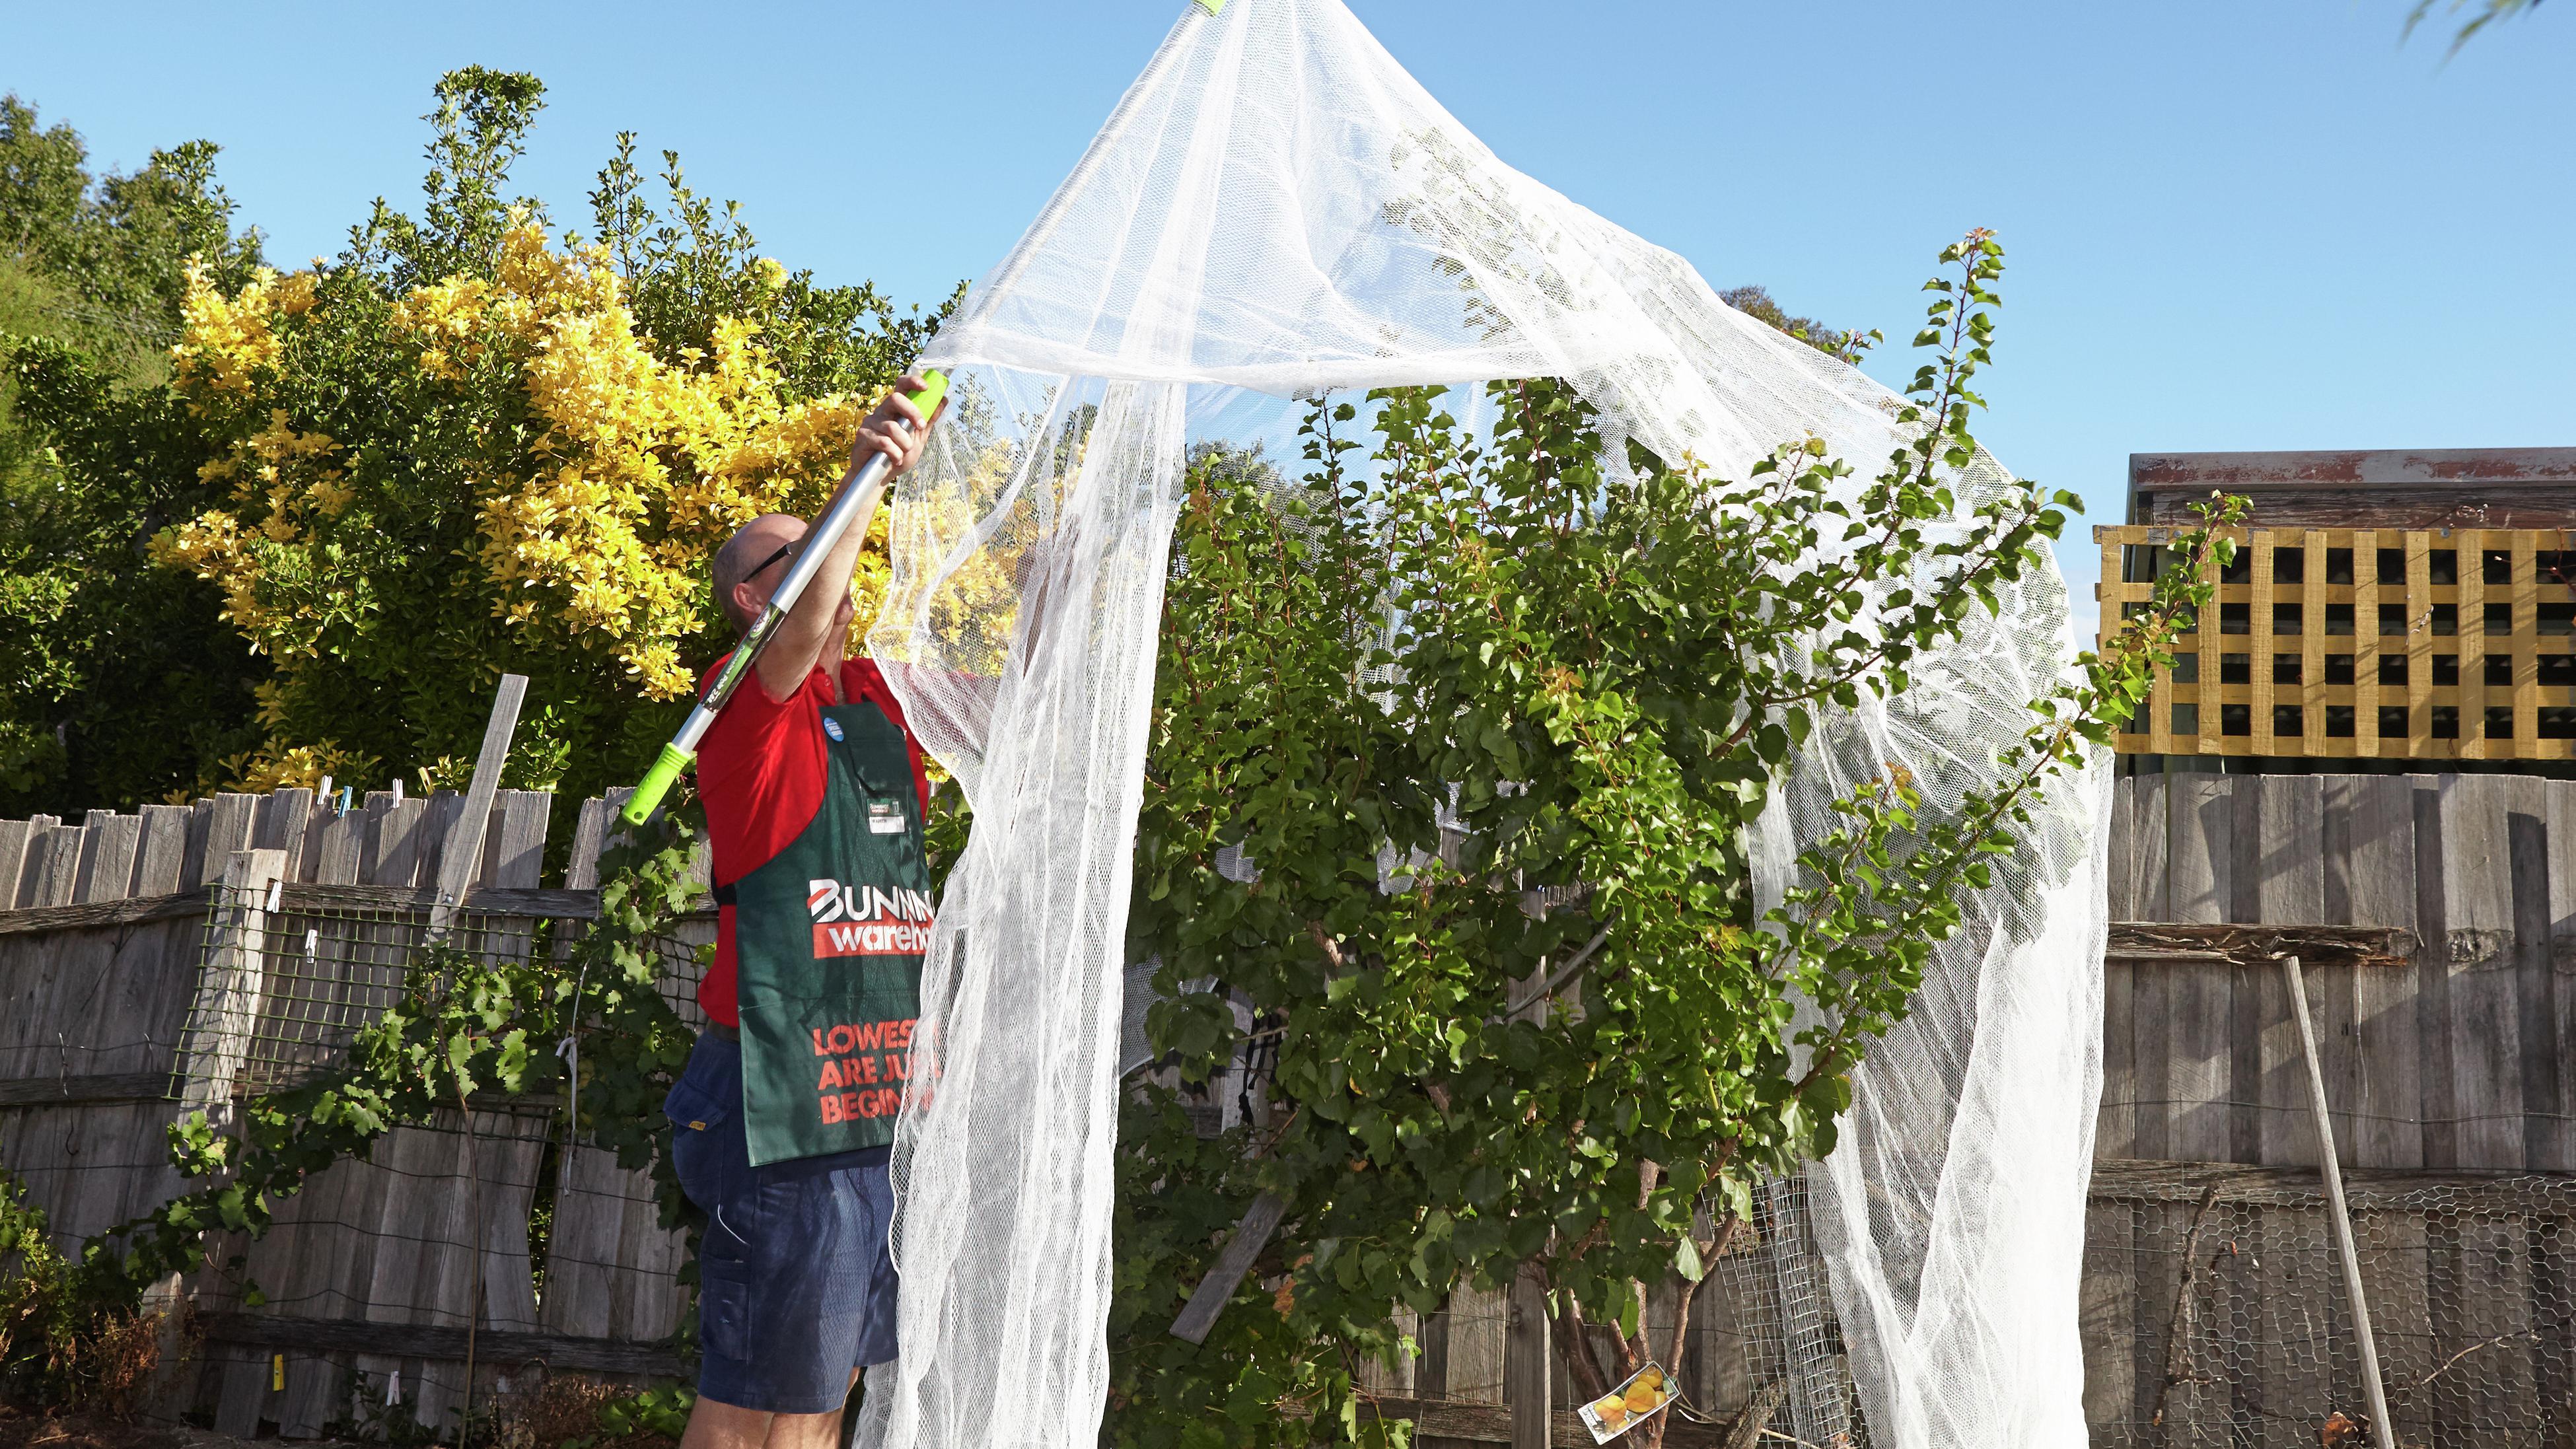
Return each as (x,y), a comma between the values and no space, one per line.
(2216,1312)
(1793,1344)
(293,973)
(1762,1359)
(504,1219)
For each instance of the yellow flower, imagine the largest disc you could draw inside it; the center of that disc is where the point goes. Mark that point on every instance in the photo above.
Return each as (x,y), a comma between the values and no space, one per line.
(645,466)
(293,295)
(222,341)
(212,547)
(593,532)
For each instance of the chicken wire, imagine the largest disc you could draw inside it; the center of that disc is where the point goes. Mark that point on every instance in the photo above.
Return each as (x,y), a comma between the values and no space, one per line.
(1763,1360)
(458,1219)
(283,1002)
(2220,1318)
(291,973)
(1277,211)
(1799,1371)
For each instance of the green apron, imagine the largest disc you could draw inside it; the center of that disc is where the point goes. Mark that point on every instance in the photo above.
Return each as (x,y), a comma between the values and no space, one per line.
(828,937)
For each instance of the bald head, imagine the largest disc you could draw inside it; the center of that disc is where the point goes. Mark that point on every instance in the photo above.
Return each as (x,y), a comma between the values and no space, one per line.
(739,592)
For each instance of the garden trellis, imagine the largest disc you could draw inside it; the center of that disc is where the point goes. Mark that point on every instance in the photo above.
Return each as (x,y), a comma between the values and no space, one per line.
(1276,211)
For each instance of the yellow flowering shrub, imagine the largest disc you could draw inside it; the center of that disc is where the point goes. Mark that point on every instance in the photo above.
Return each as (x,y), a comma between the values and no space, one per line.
(226,339)
(593,538)
(476,445)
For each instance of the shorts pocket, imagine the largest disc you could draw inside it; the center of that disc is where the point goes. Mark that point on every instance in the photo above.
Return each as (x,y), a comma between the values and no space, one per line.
(698,1163)
(692,1105)
(724,1313)
(732,1276)
(700,1106)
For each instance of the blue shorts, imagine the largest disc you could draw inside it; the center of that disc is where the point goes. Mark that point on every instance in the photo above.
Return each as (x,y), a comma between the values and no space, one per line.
(796,1286)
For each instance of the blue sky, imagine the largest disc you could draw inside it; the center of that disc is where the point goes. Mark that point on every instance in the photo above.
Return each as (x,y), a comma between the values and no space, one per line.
(2263,224)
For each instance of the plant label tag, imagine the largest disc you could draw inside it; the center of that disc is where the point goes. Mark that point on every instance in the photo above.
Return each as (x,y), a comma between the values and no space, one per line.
(885,817)
(1643,1396)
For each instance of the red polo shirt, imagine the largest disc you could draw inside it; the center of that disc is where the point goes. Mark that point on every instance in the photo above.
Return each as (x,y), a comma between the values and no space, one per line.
(761,772)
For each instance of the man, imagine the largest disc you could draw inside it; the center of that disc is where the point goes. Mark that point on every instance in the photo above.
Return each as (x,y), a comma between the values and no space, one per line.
(783,1119)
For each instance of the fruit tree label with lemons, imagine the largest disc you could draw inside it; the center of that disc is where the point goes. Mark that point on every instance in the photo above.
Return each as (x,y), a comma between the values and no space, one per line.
(1632,1403)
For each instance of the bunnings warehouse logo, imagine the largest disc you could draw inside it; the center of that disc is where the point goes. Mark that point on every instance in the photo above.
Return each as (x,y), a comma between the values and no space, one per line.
(863,920)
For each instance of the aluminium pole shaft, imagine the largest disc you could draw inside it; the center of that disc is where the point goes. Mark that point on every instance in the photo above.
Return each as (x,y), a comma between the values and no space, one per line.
(818,543)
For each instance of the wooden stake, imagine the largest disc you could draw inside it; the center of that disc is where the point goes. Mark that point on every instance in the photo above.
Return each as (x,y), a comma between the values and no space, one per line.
(461,858)
(1250,1236)
(2383,1429)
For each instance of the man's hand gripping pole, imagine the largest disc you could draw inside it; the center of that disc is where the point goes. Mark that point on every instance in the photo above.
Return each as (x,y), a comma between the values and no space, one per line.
(682,751)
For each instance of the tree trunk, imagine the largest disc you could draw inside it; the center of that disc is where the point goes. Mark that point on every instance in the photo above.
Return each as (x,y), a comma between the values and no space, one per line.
(1650,1435)
(1574,1345)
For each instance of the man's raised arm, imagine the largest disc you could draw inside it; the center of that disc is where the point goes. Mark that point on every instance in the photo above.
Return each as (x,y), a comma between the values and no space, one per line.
(897,429)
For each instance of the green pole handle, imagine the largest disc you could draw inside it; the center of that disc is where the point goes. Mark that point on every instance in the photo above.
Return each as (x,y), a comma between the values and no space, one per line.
(657,783)
(934,390)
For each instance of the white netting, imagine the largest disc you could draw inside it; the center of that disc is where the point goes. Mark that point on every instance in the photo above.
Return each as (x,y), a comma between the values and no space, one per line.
(1274,210)
(1952,1209)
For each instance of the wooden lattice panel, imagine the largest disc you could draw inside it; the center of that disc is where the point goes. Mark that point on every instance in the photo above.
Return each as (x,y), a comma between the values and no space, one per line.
(2344,643)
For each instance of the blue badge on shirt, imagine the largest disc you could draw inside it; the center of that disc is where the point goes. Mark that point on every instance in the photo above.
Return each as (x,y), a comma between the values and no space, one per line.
(832,727)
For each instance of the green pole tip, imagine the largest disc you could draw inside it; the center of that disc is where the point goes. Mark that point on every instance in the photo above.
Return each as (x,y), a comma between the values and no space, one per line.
(1213,7)
(657,783)
(934,386)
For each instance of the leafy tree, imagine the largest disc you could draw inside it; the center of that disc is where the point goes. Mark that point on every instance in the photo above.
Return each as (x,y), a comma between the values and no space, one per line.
(115,242)
(1491,721)
(2484,13)
(470,446)
(121,679)
(1755,302)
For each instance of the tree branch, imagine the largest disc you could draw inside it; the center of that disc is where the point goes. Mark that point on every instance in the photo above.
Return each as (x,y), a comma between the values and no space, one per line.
(1574,1345)
(1331,948)
(1709,1250)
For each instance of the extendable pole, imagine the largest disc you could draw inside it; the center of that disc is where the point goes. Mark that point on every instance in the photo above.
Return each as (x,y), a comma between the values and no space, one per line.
(2383,1430)
(818,544)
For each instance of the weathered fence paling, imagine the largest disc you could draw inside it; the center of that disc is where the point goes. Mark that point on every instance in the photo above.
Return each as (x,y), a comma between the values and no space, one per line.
(2441,1052)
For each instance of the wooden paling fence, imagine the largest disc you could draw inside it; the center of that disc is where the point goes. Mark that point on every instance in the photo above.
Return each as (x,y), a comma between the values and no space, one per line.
(2437,918)
(293,920)
(176,958)
(180,955)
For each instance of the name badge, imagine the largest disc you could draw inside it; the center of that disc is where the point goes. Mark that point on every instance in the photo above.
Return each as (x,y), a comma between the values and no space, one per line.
(885,817)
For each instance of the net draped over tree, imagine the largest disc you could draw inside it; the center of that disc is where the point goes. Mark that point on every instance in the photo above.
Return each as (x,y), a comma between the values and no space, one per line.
(1277,211)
